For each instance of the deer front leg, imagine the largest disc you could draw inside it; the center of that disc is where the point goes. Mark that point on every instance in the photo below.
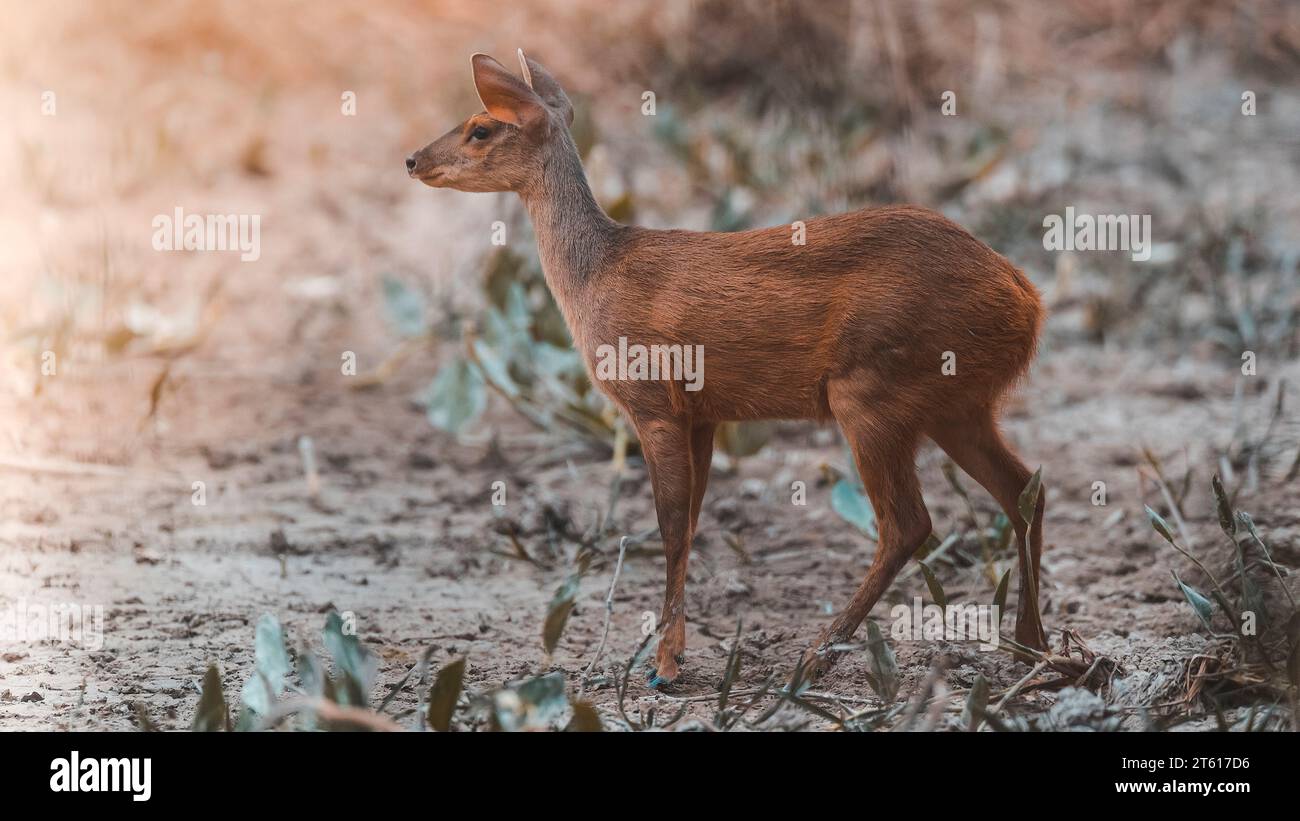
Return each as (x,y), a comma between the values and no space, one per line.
(666,444)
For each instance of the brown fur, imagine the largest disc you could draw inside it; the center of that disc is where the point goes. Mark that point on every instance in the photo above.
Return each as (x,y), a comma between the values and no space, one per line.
(853,325)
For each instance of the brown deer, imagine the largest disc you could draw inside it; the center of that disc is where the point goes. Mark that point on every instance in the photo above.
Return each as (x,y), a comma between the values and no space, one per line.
(854,325)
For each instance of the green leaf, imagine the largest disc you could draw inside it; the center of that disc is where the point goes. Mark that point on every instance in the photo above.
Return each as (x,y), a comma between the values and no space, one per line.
(1028,502)
(457,396)
(247,720)
(528,705)
(516,307)
(444,695)
(353,661)
(927,547)
(1203,607)
(854,507)
(310,674)
(558,362)
(936,589)
(884,666)
(315,683)
(273,666)
(557,615)
(494,330)
(1000,595)
(977,702)
(494,368)
(1227,521)
(212,715)
(1161,526)
(405,307)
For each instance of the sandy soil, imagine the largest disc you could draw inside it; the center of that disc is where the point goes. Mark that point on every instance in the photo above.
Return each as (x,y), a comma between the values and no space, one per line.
(403,535)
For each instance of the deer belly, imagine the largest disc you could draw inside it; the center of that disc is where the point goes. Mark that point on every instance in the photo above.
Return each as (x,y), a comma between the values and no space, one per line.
(684,379)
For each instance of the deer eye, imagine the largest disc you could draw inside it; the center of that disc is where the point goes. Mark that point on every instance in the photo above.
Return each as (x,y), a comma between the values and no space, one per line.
(479,133)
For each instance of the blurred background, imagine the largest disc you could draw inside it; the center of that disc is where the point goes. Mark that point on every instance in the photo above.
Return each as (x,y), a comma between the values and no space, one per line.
(766,112)
(177,367)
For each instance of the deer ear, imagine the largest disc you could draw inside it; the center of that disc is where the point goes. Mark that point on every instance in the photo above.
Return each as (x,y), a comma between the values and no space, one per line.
(505,97)
(546,87)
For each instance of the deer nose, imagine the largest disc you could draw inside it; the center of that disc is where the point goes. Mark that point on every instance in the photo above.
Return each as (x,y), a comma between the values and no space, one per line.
(410,164)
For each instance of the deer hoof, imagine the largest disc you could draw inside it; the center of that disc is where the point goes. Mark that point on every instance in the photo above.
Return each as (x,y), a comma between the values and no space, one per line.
(662,676)
(817,661)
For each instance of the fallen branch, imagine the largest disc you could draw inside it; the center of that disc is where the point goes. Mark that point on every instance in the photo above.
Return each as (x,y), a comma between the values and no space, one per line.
(77,468)
(609,614)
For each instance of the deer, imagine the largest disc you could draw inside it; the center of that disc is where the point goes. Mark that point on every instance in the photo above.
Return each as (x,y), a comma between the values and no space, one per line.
(852,326)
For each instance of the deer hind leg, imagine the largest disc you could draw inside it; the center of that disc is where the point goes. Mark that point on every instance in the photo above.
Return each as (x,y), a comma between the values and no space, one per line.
(978,448)
(701,461)
(666,444)
(883,437)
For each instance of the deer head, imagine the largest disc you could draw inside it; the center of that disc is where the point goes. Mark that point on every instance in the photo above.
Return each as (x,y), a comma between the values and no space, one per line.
(506,146)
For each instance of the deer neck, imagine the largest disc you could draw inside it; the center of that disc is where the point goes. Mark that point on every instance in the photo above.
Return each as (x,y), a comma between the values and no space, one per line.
(575,237)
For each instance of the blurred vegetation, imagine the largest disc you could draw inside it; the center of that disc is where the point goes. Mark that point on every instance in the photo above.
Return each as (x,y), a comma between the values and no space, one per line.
(770,112)
(777,111)
(1251,616)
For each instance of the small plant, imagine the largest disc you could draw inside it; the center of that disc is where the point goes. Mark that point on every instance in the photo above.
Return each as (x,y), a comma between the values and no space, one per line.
(320,701)
(1262,657)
